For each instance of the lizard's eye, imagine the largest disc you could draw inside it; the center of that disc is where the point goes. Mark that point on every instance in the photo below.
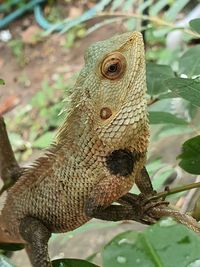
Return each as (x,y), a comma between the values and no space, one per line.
(113,66)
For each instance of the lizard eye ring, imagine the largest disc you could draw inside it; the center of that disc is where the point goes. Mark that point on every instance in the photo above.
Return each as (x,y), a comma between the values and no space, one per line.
(113,66)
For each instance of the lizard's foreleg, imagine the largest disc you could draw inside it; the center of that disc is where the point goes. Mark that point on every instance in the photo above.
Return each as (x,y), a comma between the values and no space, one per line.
(37,236)
(110,213)
(143,182)
(119,213)
(132,207)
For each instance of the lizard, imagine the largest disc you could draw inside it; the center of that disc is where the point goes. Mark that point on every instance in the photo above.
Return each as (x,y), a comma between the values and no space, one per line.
(97,156)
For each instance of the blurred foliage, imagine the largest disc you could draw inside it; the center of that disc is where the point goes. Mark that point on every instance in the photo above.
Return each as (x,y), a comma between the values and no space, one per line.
(156,246)
(74,34)
(17,48)
(8,4)
(195,25)
(190,155)
(5,262)
(53,13)
(2,82)
(46,105)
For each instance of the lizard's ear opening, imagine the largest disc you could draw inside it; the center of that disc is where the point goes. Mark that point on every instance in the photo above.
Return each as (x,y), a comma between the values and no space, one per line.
(105,113)
(113,66)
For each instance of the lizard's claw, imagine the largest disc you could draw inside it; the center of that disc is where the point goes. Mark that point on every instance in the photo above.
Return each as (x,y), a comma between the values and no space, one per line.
(149,216)
(143,208)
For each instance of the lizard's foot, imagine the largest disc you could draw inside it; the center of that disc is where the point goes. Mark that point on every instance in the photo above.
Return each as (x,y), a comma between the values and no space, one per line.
(146,205)
(142,207)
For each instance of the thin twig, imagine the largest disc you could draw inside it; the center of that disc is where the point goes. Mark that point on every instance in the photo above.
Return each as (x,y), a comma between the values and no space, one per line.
(154,19)
(151,101)
(175,190)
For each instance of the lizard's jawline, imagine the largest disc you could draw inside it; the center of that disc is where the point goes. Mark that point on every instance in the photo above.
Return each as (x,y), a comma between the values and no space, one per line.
(121,162)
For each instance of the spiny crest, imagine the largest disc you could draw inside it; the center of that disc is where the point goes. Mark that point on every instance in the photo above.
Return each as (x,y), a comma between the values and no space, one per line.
(36,169)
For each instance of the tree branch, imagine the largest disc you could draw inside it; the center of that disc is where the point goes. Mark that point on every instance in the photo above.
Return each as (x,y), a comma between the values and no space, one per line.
(10,170)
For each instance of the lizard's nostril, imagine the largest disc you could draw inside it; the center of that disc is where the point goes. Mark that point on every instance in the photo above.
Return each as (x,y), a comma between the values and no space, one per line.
(105,113)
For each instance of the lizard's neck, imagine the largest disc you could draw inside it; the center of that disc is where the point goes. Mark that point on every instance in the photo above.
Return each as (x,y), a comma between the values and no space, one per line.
(80,130)
(78,137)
(76,130)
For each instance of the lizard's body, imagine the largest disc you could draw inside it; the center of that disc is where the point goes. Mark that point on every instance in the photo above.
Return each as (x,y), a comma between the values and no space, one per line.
(100,149)
(58,195)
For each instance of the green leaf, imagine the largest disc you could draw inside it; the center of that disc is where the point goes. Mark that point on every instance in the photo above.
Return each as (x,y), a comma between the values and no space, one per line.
(16,140)
(190,156)
(5,262)
(39,100)
(157,7)
(157,117)
(72,263)
(195,25)
(144,5)
(164,244)
(175,8)
(127,5)
(189,62)
(156,75)
(167,130)
(116,4)
(2,82)
(188,89)
(44,140)
(11,247)
(130,24)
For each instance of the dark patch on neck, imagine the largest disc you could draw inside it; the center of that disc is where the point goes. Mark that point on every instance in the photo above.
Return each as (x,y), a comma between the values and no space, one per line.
(121,162)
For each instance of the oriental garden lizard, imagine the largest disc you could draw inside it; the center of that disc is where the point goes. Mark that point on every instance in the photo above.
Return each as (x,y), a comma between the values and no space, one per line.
(98,154)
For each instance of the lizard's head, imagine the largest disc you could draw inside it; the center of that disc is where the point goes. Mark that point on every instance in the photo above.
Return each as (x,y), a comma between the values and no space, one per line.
(113,84)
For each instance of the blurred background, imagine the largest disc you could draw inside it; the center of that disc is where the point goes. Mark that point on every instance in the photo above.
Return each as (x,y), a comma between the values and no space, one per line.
(42,46)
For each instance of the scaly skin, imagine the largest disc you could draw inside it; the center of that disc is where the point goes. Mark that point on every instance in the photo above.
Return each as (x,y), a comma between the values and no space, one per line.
(98,154)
